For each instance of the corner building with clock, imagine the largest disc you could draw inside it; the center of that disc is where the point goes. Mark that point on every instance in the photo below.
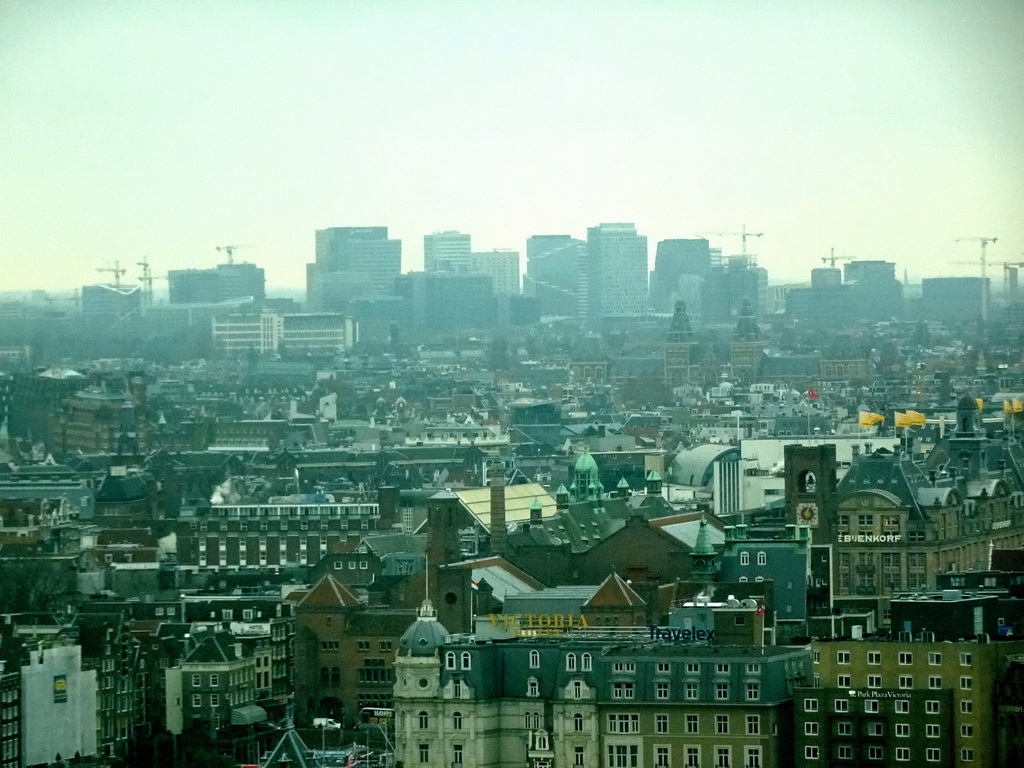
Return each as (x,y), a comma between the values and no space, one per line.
(896,519)
(604,699)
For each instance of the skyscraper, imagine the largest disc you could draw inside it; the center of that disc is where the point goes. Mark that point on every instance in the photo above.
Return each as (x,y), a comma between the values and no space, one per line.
(673,259)
(208,286)
(616,272)
(554,273)
(352,262)
(501,266)
(448,251)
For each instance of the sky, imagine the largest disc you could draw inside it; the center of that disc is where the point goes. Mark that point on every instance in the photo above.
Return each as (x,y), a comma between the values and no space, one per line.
(164,129)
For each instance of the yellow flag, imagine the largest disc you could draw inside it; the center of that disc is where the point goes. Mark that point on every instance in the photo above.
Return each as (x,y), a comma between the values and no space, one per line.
(902,420)
(917,419)
(980,402)
(868,419)
(1018,405)
(1007,408)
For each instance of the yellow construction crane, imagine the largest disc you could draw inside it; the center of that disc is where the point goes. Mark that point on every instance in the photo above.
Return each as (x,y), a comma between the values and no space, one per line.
(230,251)
(117,270)
(984,244)
(743,235)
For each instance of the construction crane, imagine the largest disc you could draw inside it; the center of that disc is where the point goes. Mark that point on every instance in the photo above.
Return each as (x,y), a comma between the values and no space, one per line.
(831,259)
(984,244)
(230,251)
(117,270)
(743,235)
(147,282)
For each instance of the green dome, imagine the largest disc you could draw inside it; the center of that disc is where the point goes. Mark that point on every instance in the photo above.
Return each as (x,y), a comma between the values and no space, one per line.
(586,463)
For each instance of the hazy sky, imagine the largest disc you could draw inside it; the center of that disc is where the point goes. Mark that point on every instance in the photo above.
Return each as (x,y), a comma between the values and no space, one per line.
(883,129)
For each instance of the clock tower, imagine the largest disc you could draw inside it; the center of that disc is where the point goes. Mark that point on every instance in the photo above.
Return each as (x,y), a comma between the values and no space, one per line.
(811,489)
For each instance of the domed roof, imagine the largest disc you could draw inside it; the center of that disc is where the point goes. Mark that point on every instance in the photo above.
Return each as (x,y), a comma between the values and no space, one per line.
(425,635)
(967,403)
(586,463)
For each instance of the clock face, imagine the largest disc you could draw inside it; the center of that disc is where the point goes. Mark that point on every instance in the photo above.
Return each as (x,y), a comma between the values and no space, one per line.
(807,514)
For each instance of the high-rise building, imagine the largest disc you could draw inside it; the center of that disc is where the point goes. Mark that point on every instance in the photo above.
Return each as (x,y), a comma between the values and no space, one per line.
(351,262)
(725,290)
(501,266)
(209,286)
(109,305)
(957,299)
(673,259)
(447,301)
(554,273)
(447,251)
(616,272)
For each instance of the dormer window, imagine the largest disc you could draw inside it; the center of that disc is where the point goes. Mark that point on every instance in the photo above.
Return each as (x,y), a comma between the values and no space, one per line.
(534,659)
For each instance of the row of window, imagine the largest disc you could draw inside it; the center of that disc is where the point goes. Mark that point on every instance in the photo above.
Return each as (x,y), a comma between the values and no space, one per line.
(762,558)
(627,722)
(586,664)
(877,728)
(905,658)
(232,699)
(935,682)
(214,678)
(628,756)
(901,754)
(900,706)
(691,691)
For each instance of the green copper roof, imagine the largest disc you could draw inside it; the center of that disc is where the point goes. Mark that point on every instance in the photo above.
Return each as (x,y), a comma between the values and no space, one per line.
(702,546)
(622,483)
(653,475)
(586,463)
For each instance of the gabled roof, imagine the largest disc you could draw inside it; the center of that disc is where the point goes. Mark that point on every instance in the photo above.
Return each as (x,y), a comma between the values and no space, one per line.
(291,752)
(518,500)
(329,593)
(614,593)
(218,647)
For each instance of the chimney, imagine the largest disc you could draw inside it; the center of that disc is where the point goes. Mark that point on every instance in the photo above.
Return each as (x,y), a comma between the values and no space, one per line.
(388,503)
(931,477)
(498,531)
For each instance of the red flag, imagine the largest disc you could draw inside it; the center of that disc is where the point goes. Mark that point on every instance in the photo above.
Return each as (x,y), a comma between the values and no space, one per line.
(811,394)
(760,610)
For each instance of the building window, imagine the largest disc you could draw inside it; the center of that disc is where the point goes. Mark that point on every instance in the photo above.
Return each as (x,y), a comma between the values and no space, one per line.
(903,730)
(810,752)
(467,660)
(587,662)
(624,667)
(932,730)
(934,659)
(967,755)
(966,730)
(933,754)
(870,705)
(874,681)
(723,757)
(811,705)
(661,757)
(753,725)
(753,668)
(902,706)
(457,754)
(903,754)
(693,723)
(744,558)
(197,700)
(810,728)
(875,729)
(577,723)
(906,659)
(965,659)
(456,721)
(874,658)
(934,682)
(622,690)
(623,756)
(577,689)
(533,687)
(874,753)
(931,707)
(842,657)
(661,690)
(449,660)
(966,683)
(906,681)
(664,667)
(531,720)
(424,720)
(692,691)
(197,681)
(844,728)
(722,724)
(214,699)
(722,668)
(841,705)
(534,659)
(661,723)
(623,723)
(692,757)
(843,681)
(762,558)
(966,706)
(753,691)
(424,751)
(570,662)
(722,691)
(844,752)
(578,755)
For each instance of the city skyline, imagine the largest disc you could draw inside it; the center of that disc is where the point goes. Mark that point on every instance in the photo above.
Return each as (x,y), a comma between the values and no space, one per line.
(148,131)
